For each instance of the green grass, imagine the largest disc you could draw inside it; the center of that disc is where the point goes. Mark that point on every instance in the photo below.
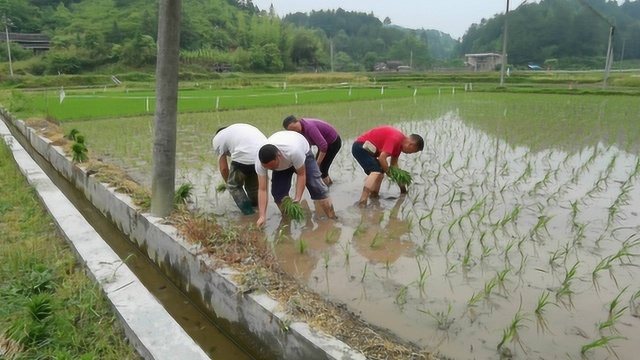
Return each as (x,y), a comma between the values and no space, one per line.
(105,103)
(49,309)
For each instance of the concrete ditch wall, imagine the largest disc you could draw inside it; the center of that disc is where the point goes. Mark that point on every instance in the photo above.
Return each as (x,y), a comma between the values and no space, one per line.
(255,315)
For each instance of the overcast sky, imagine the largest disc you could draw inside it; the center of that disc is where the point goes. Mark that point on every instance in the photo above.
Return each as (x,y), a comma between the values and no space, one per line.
(450,16)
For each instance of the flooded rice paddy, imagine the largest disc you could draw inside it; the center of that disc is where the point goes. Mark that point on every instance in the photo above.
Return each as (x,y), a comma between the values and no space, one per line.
(518,238)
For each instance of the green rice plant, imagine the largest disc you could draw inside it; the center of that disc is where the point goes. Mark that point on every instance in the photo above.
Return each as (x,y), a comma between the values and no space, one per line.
(543,302)
(330,237)
(376,242)
(359,229)
(292,209)
(364,272)
(512,332)
(221,187)
(71,135)
(79,152)
(302,246)
(604,264)
(442,318)
(422,276)
(401,296)
(325,259)
(183,193)
(634,304)
(501,278)
(614,313)
(475,298)
(488,287)
(602,342)
(346,250)
(399,176)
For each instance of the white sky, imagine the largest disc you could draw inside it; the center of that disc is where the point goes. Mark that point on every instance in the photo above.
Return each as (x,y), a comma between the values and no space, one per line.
(449,16)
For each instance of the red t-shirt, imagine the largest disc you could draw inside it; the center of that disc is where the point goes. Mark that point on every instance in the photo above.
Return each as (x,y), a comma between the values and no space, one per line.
(385,138)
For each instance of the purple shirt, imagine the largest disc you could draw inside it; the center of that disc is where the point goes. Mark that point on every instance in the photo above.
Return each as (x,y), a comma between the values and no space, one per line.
(318,133)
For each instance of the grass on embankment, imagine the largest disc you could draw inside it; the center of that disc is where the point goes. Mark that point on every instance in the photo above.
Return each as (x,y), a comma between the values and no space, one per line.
(49,309)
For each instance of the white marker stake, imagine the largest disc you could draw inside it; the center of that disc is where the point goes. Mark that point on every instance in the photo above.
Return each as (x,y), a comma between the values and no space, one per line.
(217,102)
(415,91)
(147,104)
(296,98)
(349,91)
(382,90)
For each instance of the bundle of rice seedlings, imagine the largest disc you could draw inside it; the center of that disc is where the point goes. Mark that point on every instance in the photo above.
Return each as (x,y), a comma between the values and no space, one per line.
(401,177)
(292,209)
(183,193)
(79,152)
(221,187)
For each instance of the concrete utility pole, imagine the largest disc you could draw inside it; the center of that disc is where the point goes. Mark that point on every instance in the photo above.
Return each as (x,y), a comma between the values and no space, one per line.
(166,109)
(612,30)
(504,45)
(7,23)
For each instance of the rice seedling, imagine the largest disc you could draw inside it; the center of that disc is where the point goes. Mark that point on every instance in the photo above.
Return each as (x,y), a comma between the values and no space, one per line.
(399,176)
(422,276)
(221,187)
(325,259)
(501,277)
(79,152)
(543,302)
(634,304)
(183,194)
(512,332)
(602,342)
(71,135)
(614,314)
(302,246)
(401,296)
(488,287)
(331,236)
(346,250)
(604,264)
(292,209)
(475,298)
(376,242)
(442,318)
(364,272)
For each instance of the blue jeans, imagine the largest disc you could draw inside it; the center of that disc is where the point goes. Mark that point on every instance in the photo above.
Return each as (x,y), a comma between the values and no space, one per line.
(281,181)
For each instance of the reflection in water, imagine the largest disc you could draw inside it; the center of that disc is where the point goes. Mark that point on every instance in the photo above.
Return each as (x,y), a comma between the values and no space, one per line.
(516,198)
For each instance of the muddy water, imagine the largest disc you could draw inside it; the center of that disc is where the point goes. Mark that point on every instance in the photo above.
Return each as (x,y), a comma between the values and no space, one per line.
(496,221)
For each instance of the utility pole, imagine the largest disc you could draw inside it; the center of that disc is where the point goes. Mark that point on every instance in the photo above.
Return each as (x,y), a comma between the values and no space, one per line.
(612,30)
(504,45)
(7,23)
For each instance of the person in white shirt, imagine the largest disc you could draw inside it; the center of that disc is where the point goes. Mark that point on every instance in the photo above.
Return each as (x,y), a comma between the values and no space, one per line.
(241,143)
(286,153)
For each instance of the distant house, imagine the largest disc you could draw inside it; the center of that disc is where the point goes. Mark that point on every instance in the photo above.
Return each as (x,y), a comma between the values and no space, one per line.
(391,65)
(36,42)
(483,62)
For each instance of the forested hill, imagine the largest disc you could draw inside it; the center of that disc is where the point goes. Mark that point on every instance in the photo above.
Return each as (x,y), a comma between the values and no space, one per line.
(91,34)
(119,35)
(560,32)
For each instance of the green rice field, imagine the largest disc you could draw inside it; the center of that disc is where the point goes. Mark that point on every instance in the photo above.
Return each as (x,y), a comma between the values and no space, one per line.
(518,238)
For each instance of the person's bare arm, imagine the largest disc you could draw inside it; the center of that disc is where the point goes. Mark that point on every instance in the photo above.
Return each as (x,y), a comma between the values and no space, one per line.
(301,182)
(223,166)
(263,200)
(382,159)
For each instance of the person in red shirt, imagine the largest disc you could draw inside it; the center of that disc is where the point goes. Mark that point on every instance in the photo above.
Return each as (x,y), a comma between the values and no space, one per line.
(372,151)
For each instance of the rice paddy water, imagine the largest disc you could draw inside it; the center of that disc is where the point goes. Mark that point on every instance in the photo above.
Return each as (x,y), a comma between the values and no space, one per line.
(519,234)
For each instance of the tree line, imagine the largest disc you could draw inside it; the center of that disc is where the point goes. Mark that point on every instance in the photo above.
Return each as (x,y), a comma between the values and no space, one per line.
(218,35)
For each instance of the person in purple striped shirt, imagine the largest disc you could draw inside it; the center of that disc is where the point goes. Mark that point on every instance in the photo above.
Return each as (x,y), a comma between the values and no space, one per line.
(321,134)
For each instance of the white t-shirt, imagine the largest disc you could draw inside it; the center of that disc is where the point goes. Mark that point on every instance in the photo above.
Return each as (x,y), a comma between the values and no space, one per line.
(240,141)
(293,146)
